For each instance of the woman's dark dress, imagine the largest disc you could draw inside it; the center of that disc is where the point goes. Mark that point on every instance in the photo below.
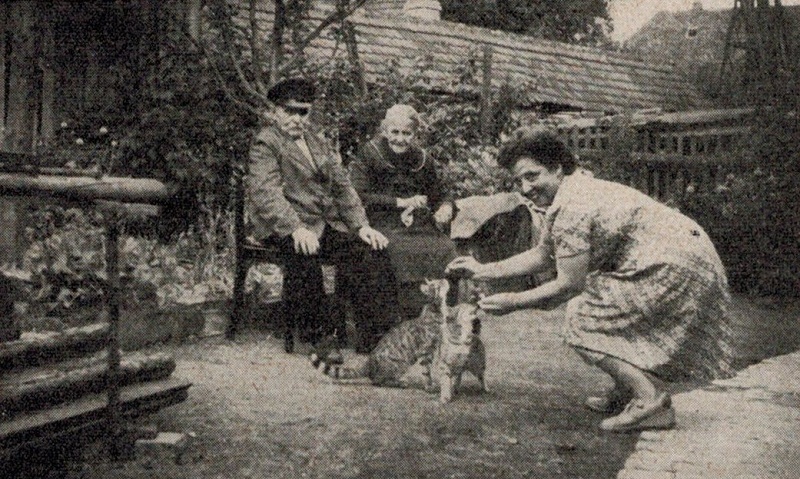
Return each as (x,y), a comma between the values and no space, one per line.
(381,176)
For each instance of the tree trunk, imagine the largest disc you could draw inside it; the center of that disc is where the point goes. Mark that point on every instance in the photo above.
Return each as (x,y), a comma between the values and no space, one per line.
(276,42)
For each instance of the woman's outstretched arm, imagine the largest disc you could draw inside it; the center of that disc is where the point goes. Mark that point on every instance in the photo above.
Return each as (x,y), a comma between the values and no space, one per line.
(531,261)
(570,281)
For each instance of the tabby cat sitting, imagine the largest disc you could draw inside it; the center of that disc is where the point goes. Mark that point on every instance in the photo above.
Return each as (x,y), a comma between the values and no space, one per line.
(444,338)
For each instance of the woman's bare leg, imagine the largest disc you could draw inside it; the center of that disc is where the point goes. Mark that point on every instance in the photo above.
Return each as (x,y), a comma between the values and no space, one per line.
(630,376)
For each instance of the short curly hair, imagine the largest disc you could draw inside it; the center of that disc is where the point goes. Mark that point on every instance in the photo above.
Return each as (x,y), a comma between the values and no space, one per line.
(541,145)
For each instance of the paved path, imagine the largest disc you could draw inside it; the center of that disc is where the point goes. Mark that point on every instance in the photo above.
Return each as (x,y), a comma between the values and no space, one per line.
(744,427)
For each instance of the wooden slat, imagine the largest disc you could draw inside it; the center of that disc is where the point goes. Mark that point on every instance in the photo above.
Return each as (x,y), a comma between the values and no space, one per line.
(65,421)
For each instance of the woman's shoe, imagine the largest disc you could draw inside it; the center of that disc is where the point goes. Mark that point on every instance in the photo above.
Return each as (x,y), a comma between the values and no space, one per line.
(639,415)
(613,402)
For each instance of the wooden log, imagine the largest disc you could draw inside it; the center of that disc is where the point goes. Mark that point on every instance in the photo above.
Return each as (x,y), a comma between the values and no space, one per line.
(126,190)
(31,351)
(83,420)
(37,388)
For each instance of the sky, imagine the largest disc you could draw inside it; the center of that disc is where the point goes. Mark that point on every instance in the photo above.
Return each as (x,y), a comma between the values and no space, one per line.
(630,15)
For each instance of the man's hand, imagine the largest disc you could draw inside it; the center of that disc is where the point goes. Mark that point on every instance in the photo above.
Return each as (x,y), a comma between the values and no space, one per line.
(443,215)
(413,202)
(305,241)
(500,303)
(373,237)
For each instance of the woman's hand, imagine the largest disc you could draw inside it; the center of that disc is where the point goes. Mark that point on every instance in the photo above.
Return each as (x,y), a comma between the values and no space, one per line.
(443,215)
(413,202)
(468,267)
(500,303)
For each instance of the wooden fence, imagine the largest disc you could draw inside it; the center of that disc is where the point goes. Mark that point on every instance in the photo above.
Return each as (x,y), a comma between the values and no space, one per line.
(665,155)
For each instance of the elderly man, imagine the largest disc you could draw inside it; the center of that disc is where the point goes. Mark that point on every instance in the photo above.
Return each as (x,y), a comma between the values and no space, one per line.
(299,198)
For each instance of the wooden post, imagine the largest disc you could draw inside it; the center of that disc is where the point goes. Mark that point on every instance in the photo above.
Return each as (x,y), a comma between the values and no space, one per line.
(357,66)
(486,95)
(193,19)
(3,26)
(47,119)
(112,306)
(240,272)
(21,106)
(657,176)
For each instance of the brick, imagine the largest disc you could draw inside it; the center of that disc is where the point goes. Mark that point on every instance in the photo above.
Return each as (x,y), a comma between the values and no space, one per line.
(165,447)
(655,435)
(634,474)
(651,462)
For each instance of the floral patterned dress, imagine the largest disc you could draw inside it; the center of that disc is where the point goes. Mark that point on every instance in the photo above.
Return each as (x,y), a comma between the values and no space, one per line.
(657,294)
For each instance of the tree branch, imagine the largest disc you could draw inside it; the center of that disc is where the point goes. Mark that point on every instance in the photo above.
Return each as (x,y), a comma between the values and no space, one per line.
(221,80)
(343,10)
(276,50)
(232,54)
(255,48)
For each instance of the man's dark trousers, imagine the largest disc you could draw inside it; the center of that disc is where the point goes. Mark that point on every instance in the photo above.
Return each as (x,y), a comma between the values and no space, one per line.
(364,278)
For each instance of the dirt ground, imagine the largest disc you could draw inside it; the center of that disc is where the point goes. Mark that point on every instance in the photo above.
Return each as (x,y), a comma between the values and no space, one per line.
(256,412)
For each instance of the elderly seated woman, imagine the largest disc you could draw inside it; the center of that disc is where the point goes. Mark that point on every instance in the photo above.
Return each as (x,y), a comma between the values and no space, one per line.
(648,295)
(405,199)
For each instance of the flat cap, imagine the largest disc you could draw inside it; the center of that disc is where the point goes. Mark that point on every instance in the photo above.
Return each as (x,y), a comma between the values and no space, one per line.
(296,92)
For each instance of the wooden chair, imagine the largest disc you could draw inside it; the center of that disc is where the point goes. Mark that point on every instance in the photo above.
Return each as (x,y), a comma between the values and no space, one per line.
(246,255)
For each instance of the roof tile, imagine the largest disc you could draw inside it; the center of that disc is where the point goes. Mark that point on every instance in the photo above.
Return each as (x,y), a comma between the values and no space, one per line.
(578,76)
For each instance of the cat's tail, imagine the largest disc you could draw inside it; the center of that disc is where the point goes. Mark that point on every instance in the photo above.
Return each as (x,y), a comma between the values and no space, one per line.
(337,371)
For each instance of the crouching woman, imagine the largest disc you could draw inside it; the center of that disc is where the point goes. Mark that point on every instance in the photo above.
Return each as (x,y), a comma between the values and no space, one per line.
(648,295)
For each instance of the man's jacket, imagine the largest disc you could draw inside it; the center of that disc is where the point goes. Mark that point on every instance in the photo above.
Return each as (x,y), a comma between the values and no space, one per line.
(285,190)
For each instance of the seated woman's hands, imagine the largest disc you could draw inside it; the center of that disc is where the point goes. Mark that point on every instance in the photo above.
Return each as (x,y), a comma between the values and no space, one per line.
(443,215)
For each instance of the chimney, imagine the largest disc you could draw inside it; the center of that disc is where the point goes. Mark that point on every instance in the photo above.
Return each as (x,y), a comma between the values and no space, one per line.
(697,6)
(430,10)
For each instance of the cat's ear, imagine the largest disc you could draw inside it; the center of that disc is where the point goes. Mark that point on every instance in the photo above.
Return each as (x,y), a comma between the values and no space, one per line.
(428,289)
(444,287)
(425,286)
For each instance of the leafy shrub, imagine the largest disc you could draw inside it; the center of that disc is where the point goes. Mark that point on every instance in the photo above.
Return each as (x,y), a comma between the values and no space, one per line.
(66,260)
(753,221)
(753,214)
(477,174)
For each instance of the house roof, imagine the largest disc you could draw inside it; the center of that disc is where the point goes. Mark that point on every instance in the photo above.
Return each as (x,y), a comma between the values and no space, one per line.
(385,7)
(690,36)
(557,73)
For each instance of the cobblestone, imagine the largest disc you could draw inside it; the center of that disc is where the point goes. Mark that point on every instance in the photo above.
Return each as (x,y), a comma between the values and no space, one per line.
(737,428)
